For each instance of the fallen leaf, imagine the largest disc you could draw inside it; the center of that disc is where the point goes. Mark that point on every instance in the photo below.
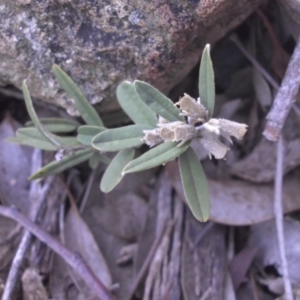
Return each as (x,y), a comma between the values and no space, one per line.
(259,165)
(240,265)
(264,236)
(203,269)
(14,173)
(79,238)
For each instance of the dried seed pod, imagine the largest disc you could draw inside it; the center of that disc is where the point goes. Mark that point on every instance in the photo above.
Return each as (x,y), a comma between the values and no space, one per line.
(193,109)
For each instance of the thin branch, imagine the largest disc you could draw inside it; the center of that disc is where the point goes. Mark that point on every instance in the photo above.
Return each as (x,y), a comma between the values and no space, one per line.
(285,98)
(279,219)
(72,259)
(17,262)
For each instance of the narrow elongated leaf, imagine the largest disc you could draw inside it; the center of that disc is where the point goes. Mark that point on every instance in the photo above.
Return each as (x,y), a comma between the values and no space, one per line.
(157,101)
(207,82)
(194,184)
(156,156)
(133,106)
(56,124)
(34,117)
(67,162)
(86,110)
(113,174)
(87,132)
(34,138)
(120,138)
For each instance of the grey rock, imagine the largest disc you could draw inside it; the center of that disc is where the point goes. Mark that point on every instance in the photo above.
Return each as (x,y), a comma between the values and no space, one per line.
(101,43)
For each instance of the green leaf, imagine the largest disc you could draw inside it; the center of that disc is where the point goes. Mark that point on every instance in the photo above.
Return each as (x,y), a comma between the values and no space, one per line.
(207,82)
(86,110)
(56,124)
(113,174)
(67,162)
(194,184)
(35,119)
(157,101)
(97,158)
(86,133)
(156,156)
(34,138)
(133,106)
(120,138)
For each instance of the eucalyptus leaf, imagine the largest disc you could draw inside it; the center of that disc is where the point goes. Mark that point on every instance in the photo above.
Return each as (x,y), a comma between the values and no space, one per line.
(207,82)
(113,174)
(133,106)
(86,110)
(156,156)
(87,132)
(157,101)
(97,158)
(56,124)
(67,162)
(35,119)
(120,138)
(34,138)
(194,184)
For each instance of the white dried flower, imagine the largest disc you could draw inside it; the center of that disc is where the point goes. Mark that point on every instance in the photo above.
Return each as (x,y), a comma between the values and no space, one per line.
(152,137)
(229,128)
(192,109)
(177,132)
(210,141)
(208,133)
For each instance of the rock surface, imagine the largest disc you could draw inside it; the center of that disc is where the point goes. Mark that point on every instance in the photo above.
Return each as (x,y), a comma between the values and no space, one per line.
(101,43)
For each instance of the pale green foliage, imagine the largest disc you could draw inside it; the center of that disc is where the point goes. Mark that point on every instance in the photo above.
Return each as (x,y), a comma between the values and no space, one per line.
(167,129)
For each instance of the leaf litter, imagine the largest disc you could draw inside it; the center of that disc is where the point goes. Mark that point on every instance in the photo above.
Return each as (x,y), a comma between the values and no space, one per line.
(116,231)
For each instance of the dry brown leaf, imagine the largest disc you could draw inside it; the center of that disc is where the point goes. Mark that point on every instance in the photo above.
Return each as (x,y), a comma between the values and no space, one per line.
(15,168)
(116,223)
(236,202)
(259,165)
(79,238)
(202,269)
(264,237)
(240,265)
(122,215)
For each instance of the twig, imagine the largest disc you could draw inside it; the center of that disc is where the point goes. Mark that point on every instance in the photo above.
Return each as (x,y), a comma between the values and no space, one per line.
(36,198)
(146,263)
(24,244)
(72,259)
(285,97)
(279,219)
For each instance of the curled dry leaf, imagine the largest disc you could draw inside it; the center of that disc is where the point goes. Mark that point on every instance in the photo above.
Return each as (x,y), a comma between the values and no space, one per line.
(236,202)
